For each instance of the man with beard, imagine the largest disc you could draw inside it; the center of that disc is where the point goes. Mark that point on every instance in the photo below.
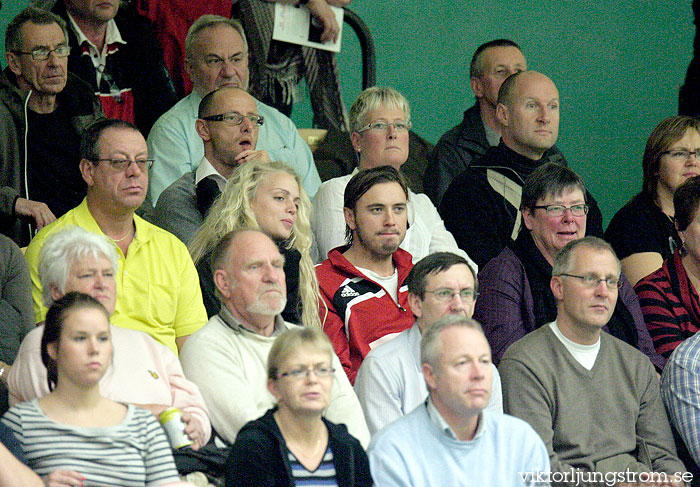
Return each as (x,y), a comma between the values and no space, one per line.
(227,357)
(365,302)
(228,124)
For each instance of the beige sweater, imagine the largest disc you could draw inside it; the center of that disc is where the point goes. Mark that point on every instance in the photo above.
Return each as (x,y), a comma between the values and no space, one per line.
(229,364)
(606,419)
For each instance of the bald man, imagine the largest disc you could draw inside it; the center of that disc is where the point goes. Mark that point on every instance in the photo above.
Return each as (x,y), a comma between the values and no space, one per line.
(481,205)
(228,124)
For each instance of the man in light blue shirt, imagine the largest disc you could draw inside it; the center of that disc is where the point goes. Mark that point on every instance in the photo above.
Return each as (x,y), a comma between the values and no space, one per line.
(390,383)
(217,56)
(450,440)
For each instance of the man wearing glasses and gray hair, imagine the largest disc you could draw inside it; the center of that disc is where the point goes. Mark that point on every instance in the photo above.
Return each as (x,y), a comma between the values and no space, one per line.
(593,399)
(158,284)
(389,383)
(43,110)
(228,124)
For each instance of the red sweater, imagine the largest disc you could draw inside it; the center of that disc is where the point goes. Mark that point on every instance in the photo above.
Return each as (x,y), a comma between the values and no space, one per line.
(356,311)
(670,305)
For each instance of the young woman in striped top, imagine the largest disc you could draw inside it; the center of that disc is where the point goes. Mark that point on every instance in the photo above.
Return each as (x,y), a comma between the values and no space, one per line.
(74,436)
(292,444)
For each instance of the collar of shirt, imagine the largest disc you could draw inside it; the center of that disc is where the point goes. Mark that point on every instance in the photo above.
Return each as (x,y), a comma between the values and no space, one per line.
(233,323)
(206,170)
(99,59)
(443,426)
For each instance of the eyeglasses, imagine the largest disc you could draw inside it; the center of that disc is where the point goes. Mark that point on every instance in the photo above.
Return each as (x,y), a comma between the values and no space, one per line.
(445,294)
(591,280)
(234,118)
(382,126)
(559,210)
(303,372)
(43,53)
(682,154)
(123,164)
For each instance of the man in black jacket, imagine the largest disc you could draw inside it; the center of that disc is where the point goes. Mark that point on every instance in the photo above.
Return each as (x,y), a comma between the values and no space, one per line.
(114,50)
(43,111)
(491,64)
(481,205)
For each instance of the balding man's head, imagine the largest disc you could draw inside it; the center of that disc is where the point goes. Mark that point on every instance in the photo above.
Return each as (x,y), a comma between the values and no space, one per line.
(228,124)
(528,110)
(249,275)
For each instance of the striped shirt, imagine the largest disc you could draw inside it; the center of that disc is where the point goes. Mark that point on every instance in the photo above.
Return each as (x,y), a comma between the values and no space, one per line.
(134,453)
(670,305)
(324,475)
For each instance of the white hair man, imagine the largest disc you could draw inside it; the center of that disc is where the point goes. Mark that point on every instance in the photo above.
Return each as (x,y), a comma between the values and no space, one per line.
(227,357)
(451,437)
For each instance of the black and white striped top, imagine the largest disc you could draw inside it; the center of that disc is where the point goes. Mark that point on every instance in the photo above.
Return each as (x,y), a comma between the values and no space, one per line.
(135,453)
(324,475)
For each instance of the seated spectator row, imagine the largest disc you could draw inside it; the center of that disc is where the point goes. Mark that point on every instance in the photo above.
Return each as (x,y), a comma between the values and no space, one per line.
(265,401)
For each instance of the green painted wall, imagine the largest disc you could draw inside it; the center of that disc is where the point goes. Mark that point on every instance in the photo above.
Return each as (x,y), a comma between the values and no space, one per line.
(618,66)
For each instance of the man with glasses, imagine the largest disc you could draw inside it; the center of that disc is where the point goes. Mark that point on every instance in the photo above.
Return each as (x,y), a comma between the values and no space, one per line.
(592,398)
(216,56)
(228,125)
(158,285)
(227,358)
(389,383)
(481,205)
(114,50)
(43,110)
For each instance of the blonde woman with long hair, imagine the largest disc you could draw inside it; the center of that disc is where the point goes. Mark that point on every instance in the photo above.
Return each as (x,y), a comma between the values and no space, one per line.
(268,197)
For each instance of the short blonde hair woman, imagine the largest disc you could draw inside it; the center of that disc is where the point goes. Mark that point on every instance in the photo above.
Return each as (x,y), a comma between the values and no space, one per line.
(292,441)
(268,197)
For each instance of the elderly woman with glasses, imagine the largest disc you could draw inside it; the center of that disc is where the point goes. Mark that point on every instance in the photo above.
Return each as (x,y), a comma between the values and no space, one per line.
(669,296)
(642,232)
(380,120)
(292,444)
(515,297)
(143,371)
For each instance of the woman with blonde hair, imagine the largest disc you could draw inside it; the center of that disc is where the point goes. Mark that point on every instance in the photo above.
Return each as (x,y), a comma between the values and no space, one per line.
(268,197)
(292,443)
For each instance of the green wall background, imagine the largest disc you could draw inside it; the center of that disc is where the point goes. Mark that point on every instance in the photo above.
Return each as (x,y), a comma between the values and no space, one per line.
(618,66)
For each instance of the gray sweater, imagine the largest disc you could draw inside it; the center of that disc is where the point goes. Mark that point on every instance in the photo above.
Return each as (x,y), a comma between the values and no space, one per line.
(607,419)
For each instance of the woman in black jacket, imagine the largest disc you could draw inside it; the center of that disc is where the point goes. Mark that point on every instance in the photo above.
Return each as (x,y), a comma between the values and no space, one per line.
(292,444)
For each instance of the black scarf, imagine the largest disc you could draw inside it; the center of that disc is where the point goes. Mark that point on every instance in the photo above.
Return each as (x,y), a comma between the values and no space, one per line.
(539,273)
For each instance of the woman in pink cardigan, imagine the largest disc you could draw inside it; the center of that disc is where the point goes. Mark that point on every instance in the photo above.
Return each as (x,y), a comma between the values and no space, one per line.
(143,372)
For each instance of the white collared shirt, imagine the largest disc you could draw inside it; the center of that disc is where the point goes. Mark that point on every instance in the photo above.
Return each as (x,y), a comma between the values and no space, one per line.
(205,170)
(99,59)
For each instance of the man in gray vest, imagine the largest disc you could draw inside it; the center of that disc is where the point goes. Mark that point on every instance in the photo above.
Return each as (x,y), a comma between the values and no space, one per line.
(228,125)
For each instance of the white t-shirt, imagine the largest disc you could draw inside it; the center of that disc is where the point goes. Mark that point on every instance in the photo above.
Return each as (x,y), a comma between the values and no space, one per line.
(584,354)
